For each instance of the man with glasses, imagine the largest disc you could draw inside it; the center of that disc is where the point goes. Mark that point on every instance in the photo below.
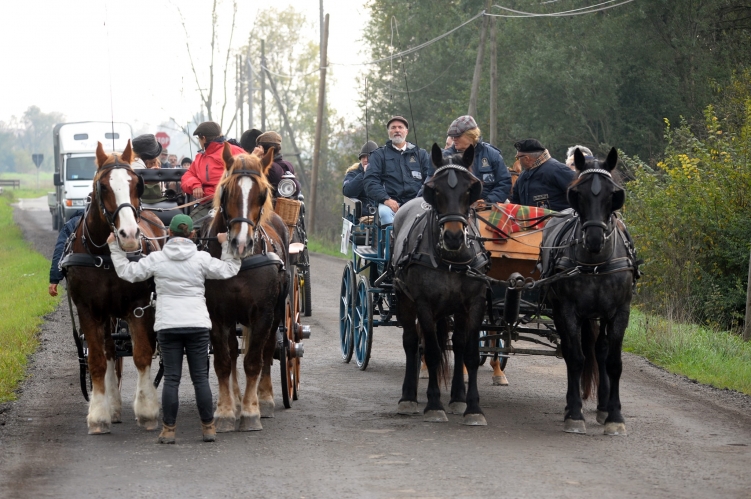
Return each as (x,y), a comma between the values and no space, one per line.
(396,170)
(543,181)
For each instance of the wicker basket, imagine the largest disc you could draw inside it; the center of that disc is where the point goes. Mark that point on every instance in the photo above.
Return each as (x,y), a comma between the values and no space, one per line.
(288,209)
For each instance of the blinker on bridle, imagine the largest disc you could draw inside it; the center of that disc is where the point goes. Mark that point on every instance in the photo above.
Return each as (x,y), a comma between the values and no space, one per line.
(111,217)
(244,173)
(596,189)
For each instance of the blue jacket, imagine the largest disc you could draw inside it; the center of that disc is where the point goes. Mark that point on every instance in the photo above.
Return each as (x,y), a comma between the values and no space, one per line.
(545,186)
(397,175)
(56,275)
(490,168)
(354,187)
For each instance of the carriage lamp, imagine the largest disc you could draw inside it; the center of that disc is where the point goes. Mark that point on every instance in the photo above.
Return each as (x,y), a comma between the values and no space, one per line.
(287,187)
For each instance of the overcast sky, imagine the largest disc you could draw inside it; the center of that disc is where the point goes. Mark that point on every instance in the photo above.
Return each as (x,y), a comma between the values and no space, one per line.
(59,55)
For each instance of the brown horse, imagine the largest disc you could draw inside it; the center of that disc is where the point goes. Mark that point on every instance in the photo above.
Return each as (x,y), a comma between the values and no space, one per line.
(101,296)
(255,297)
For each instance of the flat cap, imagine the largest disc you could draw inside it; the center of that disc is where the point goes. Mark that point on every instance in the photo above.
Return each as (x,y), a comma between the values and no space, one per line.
(269,138)
(208,129)
(146,146)
(398,118)
(529,145)
(461,125)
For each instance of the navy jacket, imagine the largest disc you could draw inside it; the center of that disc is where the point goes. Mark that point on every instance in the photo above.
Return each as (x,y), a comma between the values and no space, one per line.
(354,187)
(56,275)
(490,168)
(544,186)
(397,175)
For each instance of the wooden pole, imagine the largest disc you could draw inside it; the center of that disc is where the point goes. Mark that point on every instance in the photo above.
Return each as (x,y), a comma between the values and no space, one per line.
(319,127)
(242,95)
(747,325)
(263,85)
(493,83)
(478,65)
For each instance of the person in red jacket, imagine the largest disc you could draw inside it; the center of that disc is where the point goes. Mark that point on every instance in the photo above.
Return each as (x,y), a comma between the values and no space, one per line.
(207,169)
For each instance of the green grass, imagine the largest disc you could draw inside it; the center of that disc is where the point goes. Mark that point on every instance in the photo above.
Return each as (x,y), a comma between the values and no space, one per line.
(23,300)
(29,181)
(327,248)
(717,358)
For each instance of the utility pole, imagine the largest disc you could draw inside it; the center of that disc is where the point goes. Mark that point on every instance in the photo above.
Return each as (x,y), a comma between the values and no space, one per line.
(478,64)
(241,67)
(493,83)
(237,93)
(249,73)
(319,126)
(263,86)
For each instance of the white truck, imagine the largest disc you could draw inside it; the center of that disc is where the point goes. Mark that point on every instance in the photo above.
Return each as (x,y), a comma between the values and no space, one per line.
(75,150)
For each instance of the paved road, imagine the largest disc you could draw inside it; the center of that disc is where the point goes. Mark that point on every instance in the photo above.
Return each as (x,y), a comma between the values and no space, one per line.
(344,439)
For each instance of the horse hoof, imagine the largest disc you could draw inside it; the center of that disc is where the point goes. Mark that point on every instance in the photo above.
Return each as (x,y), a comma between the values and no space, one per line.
(407,408)
(424,374)
(267,408)
(251,423)
(148,424)
(574,426)
(457,407)
(116,418)
(615,429)
(225,425)
(602,416)
(500,380)
(474,420)
(99,428)
(435,417)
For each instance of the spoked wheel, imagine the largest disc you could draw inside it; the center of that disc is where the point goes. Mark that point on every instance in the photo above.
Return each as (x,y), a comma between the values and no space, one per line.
(489,355)
(347,312)
(289,359)
(363,337)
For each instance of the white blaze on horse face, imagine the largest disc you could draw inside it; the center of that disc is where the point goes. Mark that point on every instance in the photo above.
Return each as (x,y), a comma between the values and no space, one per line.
(243,235)
(127,230)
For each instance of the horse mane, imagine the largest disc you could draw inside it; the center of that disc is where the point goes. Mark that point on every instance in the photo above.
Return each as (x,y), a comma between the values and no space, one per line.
(247,162)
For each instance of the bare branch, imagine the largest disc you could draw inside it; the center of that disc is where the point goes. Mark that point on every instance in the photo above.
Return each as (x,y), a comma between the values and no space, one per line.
(190,57)
(226,62)
(211,66)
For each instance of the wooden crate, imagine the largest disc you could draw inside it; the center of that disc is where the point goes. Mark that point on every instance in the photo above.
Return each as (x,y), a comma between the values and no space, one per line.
(516,254)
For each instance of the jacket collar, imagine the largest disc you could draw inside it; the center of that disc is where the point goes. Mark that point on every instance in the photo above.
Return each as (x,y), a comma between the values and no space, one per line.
(410,145)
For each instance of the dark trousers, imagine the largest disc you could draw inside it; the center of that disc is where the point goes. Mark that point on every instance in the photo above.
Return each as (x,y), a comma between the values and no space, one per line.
(195,344)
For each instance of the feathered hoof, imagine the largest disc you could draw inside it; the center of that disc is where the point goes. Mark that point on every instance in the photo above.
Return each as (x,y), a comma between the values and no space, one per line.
(407,408)
(225,425)
(500,380)
(615,429)
(99,428)
(148,424)
(435,417)
(251,423)
(602,416)
(267,408)
(574,426)
(457,407)
(474,420)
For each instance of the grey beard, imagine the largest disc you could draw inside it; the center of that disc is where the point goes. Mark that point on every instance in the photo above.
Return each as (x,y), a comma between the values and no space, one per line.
(398,141)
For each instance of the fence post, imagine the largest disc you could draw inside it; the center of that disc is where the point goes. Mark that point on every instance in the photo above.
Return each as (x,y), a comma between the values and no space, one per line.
(747,324)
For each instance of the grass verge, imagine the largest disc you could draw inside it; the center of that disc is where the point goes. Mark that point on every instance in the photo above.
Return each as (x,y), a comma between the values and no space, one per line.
(327,248)
(717,358)
(23,300)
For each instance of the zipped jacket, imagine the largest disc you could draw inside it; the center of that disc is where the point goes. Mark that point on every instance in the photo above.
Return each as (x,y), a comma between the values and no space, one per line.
(207,169)
(395,174)
(489,167)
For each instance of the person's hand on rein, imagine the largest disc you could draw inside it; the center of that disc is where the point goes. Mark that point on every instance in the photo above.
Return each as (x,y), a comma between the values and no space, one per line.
(111,238)
(198,192)
(221,237)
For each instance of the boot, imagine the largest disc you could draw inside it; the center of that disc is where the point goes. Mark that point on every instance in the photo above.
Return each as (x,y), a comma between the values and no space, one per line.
(209,431)
(167,436)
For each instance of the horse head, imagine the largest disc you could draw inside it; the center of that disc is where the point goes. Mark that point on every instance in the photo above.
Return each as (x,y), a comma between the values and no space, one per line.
(595,196)
(244,199)
(117,192)
(451,192)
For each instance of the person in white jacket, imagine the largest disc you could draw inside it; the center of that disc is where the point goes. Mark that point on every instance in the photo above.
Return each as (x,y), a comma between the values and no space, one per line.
(182,319)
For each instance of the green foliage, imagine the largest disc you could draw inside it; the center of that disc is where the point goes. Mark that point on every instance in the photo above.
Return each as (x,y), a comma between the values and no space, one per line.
(690,215)
(31,134)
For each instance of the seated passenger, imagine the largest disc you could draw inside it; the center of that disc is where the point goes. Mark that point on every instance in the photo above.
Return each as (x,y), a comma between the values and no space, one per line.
(544,181)
(570,155)
(395,171)
(147,151)
(352,186)
(272,140)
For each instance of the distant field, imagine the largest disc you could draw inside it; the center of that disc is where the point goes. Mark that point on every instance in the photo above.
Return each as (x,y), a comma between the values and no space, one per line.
(29,180)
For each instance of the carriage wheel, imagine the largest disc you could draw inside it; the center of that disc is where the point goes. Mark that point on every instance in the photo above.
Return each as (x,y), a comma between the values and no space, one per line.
(305,291)
(292,334)
(488,355)
(363,323)
(347,313)
(289,363)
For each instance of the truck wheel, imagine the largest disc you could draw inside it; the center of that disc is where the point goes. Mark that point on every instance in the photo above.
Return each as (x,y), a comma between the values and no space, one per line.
(55,222)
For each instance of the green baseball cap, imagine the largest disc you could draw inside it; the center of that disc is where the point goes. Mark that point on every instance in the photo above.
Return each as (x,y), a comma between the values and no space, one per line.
(179,220)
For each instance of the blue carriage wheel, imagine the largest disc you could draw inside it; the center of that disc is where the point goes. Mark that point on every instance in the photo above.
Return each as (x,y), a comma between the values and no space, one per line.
(363,323)
(347,312)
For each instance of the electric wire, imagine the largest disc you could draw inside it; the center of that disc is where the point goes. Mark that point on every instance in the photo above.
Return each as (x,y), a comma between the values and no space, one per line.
(574,12)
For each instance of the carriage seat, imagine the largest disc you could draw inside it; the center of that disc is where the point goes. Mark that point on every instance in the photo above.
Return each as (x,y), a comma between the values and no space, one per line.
(165,206)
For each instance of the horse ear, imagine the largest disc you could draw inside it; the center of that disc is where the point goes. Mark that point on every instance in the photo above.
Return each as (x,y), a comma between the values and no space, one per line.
(579,160)
(619,199)
(612,160)
(267,161)
(127,155)
(227,156)
(101,156)
(475,190)
(436,155)
(469,157)
(573,198)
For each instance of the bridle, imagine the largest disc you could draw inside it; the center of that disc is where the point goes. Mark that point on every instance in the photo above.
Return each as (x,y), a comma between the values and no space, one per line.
(111,217)
(442,220)
(607,228)
(223,201)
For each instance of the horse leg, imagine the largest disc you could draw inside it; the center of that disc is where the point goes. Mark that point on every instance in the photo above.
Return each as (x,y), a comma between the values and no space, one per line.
(234,352)
(569,327)
(411,344)
(224,415)
(615,424)
(499,377)
(250,417)
(470,349)
(111,376)
(99,417)
(434,411)
(265,389)
(458,402)
(603,387)
(146,401)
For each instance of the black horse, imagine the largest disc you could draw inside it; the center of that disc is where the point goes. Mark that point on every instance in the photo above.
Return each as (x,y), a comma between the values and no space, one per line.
(593,247)
(439,272)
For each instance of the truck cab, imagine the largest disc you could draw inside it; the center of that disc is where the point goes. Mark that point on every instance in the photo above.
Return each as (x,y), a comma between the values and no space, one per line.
(75,166)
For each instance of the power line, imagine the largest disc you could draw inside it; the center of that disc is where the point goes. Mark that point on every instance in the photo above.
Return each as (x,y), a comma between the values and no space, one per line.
(573,12)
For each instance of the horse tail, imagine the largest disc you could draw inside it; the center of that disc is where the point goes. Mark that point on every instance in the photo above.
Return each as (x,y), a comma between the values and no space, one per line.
(442,334)
(591,374)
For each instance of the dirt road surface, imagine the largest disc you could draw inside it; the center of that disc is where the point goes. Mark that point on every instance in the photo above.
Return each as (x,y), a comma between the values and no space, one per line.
(344,439)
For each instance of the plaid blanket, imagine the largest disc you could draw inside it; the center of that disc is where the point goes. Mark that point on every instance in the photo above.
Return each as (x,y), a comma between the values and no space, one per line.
(509,218)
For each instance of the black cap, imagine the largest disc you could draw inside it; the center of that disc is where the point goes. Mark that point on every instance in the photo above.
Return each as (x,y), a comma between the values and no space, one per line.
(368,148)
(208,129)
(248,139)
(529,145)
(146,146)
(398,118)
